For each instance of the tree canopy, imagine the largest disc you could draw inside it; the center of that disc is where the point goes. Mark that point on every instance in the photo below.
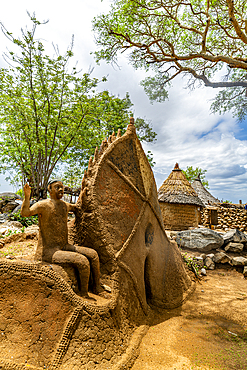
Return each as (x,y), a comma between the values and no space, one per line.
(192,173)
(201,39)
(51,114)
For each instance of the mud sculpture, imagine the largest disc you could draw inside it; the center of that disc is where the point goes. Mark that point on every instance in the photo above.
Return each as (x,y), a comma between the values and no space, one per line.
(45,324)
(53,246)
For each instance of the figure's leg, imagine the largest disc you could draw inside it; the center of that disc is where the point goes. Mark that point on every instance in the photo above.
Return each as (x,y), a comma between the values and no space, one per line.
(93,258)
(78,260)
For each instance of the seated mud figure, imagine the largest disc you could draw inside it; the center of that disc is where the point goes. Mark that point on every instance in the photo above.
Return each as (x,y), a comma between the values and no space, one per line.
(53,246)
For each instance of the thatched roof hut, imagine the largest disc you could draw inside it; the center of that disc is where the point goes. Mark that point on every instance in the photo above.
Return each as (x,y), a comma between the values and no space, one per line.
(204,195)
(177,189)
(179,203)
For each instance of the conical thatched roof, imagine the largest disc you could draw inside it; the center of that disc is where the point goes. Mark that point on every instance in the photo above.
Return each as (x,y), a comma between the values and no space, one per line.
(177,189)
(203,193)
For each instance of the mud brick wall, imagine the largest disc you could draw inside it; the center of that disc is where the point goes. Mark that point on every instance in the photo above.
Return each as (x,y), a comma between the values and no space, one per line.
(229,217)
(179,216)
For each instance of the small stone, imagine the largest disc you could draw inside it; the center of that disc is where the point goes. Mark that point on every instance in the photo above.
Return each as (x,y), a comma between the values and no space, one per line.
(239,261)
(203,272)
(209,263)
(106,288)
(10,257)
(245,271)
(234,247)
(221,257)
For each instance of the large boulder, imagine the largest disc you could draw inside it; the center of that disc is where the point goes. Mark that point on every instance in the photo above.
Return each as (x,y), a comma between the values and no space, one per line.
(9,196)
(202,240)
(235,236)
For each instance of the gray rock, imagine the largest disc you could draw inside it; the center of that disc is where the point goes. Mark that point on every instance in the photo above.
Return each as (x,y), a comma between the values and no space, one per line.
(9,207)
(239,261)
(15,224)
(221,257)
(234,247)
(9,195)
(16,209)
(203,240)
(209,263)
(211,255)
(203,272)
(3,217)
(245,271)
(235,236)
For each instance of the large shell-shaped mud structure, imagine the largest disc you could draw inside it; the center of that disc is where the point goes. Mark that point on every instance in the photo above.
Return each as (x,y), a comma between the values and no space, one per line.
(45,324)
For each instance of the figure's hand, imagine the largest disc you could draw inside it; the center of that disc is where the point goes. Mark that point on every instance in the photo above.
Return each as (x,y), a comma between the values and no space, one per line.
(27,191)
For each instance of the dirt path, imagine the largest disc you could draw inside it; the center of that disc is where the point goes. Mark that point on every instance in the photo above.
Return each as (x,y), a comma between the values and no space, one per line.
(208,332)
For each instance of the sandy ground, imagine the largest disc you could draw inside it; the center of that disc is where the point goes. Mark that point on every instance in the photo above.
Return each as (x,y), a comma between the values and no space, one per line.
(208,332)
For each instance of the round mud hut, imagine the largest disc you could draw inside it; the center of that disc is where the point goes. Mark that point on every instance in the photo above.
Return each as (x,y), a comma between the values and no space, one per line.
(179,203)
(204,195)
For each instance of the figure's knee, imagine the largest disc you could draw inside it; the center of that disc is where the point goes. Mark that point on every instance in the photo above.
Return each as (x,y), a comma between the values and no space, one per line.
(81,262)
(94,256)
(90,253)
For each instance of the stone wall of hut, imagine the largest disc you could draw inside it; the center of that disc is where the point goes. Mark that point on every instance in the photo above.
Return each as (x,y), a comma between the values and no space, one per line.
(180,216)
(230,216)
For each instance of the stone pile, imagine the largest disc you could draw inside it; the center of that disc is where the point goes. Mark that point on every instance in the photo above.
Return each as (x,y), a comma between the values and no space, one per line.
(9,203)
(225,248)
(230,216)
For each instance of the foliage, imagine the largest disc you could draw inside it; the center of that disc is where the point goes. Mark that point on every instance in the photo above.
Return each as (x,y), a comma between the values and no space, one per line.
(191,174)
(51,114)
(25,221)
(150,158)
(227,201)
(191,263)
(173,37)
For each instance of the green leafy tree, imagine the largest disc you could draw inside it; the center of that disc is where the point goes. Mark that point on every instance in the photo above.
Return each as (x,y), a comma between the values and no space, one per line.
(51,114)
(192,173)
(181,37)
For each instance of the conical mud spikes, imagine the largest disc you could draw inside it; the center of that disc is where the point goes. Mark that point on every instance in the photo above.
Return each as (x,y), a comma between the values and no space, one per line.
(103,146)
(96,156)
(90,165)
(118,133)
(109,140)
(113,137)
(85,174)
(83,183)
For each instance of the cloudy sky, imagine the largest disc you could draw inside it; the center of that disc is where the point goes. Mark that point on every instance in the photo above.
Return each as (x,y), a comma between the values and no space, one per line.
(187,132)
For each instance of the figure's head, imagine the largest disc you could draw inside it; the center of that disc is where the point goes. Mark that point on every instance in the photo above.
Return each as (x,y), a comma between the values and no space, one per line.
(55,188)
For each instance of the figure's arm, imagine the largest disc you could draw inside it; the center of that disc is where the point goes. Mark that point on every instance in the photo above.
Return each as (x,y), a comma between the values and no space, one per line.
(26,210)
